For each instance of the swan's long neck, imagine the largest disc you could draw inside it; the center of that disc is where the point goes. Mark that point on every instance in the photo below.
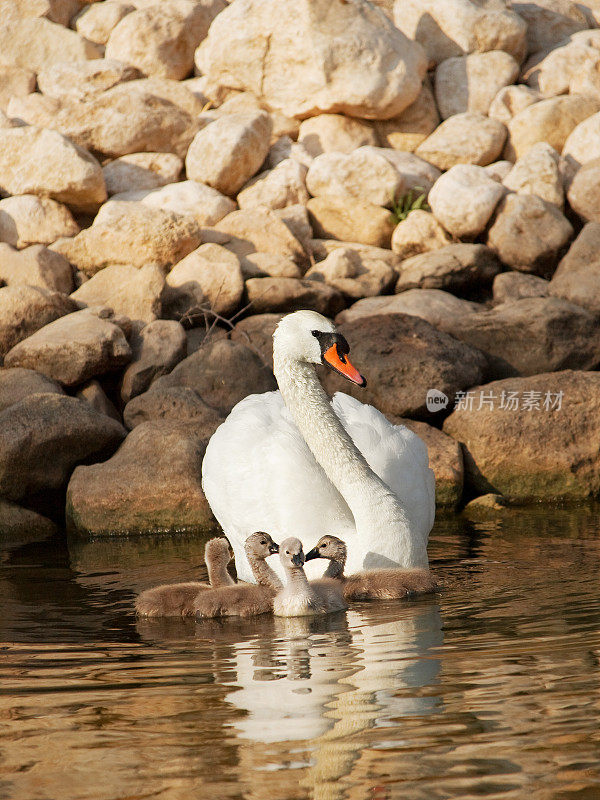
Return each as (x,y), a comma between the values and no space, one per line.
(381,522)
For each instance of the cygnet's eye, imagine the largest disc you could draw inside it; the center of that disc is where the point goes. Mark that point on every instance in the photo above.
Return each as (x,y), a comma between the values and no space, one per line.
(262,541)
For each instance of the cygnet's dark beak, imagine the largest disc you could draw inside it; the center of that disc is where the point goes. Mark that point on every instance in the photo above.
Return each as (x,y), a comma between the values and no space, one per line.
(314,553)
(273,548)
(298,559)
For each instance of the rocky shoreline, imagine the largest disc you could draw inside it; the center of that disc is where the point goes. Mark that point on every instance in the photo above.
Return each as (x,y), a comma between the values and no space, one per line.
(177,176)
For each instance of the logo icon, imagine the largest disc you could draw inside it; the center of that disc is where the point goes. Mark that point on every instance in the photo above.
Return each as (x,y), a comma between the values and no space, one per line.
(436,400)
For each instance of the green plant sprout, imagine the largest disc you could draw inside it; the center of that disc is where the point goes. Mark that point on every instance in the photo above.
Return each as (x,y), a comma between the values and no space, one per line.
(402,206)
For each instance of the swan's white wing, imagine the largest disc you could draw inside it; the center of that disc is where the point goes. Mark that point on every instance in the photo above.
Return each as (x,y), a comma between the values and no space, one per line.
(258,474)
(394,453)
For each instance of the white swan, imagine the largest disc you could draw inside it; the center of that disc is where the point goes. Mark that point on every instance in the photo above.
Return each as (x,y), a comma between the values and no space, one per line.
(293,463)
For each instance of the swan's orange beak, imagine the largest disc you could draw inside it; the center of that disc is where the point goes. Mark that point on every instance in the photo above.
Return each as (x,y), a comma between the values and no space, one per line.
(341,363)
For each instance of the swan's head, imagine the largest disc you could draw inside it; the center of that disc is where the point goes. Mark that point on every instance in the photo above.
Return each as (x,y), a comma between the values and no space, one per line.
(309,337)
(291,553)
(217,552)
(329,547)
(260,545)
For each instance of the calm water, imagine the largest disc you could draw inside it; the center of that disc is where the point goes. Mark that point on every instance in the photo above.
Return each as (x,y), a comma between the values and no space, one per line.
(490,689)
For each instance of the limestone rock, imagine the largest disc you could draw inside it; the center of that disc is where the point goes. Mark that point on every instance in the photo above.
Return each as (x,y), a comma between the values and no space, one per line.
(97,20)
(28,219)
(37,161)
(584,192)
(402,358)
(229,151)
(25,309)
(537,173)
(464,199)
(276,188)
(35,266)
(406,131)
(566,467)
(72,349)
(261,230)
(587,79)
(417,175)
(156,350)
(269,265)
(351,220)
(177,404)
(115,123)
(419,233)
(256,332)
(130,292)
(17,384)
(577,278)
(510,100)
(549,121)
(285,148)
(363,175)
(470,83)
(551,72)
(42,438)
(440,309)
(457,27)
(161,40)
(529,234)
(269,295)
(83,80)
(205,205)
(94,395)
(16,81)
(208,277)
(205,369)
(549,21)
(151,485)
(327,133)
(173,92)
(510,286)
(355,277)
(59,11)
(583,143)
(321,248)
(131,234)
(348,57)
(467,138)
(456,267)
(140,171)
(498,170)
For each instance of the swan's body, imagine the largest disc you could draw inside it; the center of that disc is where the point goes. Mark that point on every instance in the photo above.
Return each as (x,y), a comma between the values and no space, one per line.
(296,463)
(377,584)
(301,597)
(177,599)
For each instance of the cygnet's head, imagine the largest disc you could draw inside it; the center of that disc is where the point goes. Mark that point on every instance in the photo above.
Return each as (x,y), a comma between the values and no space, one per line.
(260,545)
(291,553)
(217,552)
(329,547)
(309,337)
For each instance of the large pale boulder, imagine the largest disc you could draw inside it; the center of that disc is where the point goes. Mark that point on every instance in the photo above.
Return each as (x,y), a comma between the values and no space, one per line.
(16,81)
(403,357)
(44,436)
(584,192)
(174,403)
(549,121)
(577,277)
(161,39)
(420,232)
(353,275)
(229,151)
(351,220)
(156,350)
(202,203)
(25,309)
(551,72)
(208,279)
(418,175)
(468,138)
(327,133)
(151,485)
(406,131)
(583,143)
(131,233)
(529,234)
(96,21)
(456,267)
(537,173)
(321,248)
(510,286)
(587,79)
(28,219)
(363,175)
(282,186)
(141,171)
(37,161)
(258,230)
(130,292)
(458,27)
(83,80)
(268,295)
(348,57)
(470,83)
(441,309)
(35,266)
(16,384)
(269,265)
(562,410)
(549,21)
(36,44)
(72,349)
(285,148)
(464,199)
(510,100)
